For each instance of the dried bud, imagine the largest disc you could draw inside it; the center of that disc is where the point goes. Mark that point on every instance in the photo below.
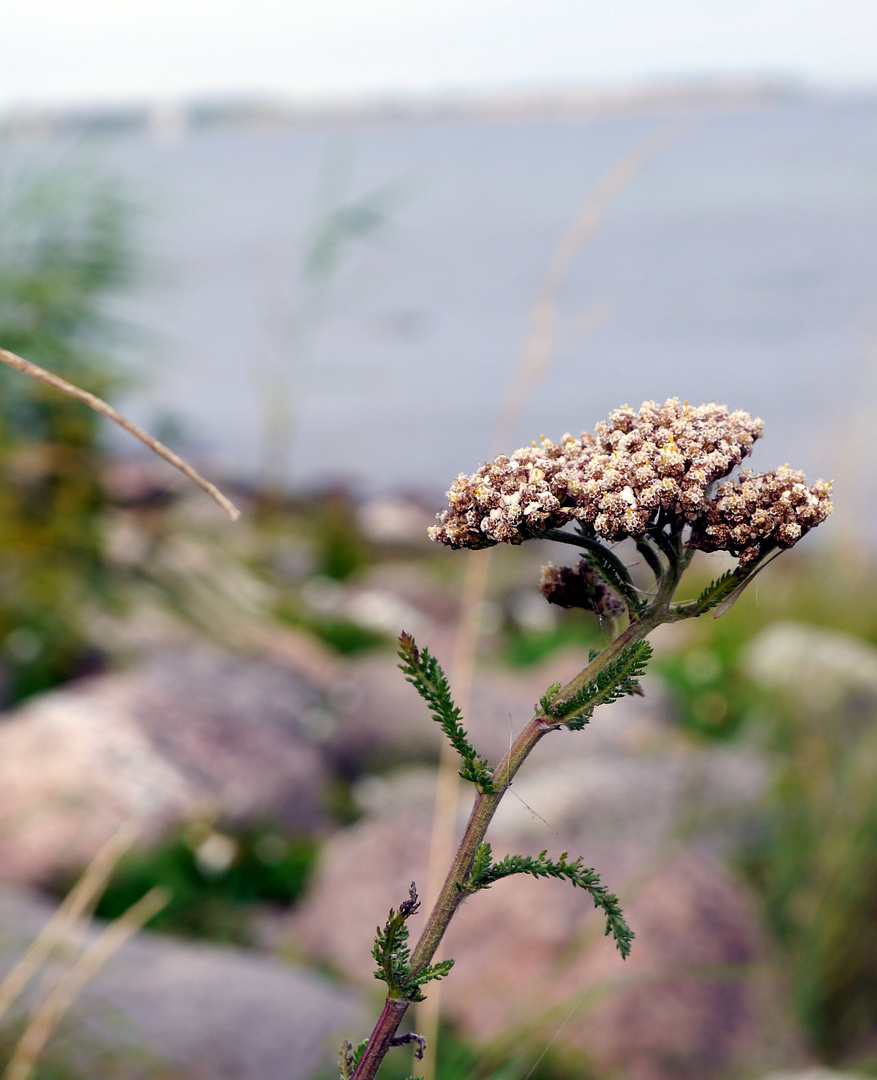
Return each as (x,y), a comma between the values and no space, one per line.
(579,587)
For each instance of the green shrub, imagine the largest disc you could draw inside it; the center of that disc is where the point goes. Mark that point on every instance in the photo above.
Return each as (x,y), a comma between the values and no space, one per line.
(65,249)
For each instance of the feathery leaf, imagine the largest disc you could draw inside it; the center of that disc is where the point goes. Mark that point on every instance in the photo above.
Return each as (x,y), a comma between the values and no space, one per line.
(616,680)
(349,1058)
(547,698)
(425,674)
(394,957)
(711,597)
(584,877)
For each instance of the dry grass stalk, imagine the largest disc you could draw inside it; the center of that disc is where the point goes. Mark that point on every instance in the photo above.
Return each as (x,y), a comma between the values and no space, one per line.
(46,1016)
(101,406)
(541,340)
(80,901)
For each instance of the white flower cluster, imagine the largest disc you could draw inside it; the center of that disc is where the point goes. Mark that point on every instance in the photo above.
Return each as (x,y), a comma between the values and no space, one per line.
(617,481)
(761,511)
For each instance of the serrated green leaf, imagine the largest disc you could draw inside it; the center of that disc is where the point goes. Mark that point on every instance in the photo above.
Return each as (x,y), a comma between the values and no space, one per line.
(482,861)
(579,875)
(617,680)
(714,594)
(425,674)
(349,1058)
(391,952)
(433,972)
(547,698)
(728,602)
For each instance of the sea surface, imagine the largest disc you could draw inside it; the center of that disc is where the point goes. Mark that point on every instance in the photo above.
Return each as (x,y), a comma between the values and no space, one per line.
(738,264)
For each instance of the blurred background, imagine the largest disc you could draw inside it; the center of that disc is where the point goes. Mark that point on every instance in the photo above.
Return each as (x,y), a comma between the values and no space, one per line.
(335,255)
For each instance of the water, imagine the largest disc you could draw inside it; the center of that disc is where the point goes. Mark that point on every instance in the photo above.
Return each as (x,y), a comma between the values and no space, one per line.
(739,265)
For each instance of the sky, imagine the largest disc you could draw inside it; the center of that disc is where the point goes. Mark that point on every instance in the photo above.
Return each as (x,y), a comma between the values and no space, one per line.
(62,52)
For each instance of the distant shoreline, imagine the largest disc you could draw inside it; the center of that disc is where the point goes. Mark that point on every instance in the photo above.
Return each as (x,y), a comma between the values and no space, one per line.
(169,118)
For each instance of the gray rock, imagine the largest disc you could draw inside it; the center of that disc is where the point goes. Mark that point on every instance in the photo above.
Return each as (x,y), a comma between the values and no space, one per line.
(193,733)
(820,667)
(238,730)
(202,1011)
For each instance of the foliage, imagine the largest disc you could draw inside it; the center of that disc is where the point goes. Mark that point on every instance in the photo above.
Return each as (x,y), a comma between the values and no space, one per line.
(64,250)
(816,865)
(393,956)
(616,680)
(485,872)
(714,594)
(424,673)
(814,858)
(711,695)
(211,901)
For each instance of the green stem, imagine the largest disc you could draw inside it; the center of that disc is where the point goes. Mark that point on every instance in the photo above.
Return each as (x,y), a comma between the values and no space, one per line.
(451,895)
(578,540)
(651,557)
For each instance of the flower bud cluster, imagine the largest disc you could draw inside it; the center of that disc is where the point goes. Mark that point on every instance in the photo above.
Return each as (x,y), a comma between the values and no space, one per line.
(761,511)
(663,457)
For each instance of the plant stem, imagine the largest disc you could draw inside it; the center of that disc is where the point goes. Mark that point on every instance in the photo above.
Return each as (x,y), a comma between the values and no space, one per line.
(451,895)
(453,891)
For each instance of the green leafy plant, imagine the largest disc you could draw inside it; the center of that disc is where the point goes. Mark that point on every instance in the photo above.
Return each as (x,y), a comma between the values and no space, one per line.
(394,957)
(652,477)
(65,250)
(649,477)
(815,861)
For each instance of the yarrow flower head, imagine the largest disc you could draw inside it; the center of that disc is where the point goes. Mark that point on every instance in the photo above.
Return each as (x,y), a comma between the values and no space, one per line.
(616,482)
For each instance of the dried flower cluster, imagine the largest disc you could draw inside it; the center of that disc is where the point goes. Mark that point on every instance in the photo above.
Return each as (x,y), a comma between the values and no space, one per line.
(579,587)
(617,481)
(511,499)
(761,511)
